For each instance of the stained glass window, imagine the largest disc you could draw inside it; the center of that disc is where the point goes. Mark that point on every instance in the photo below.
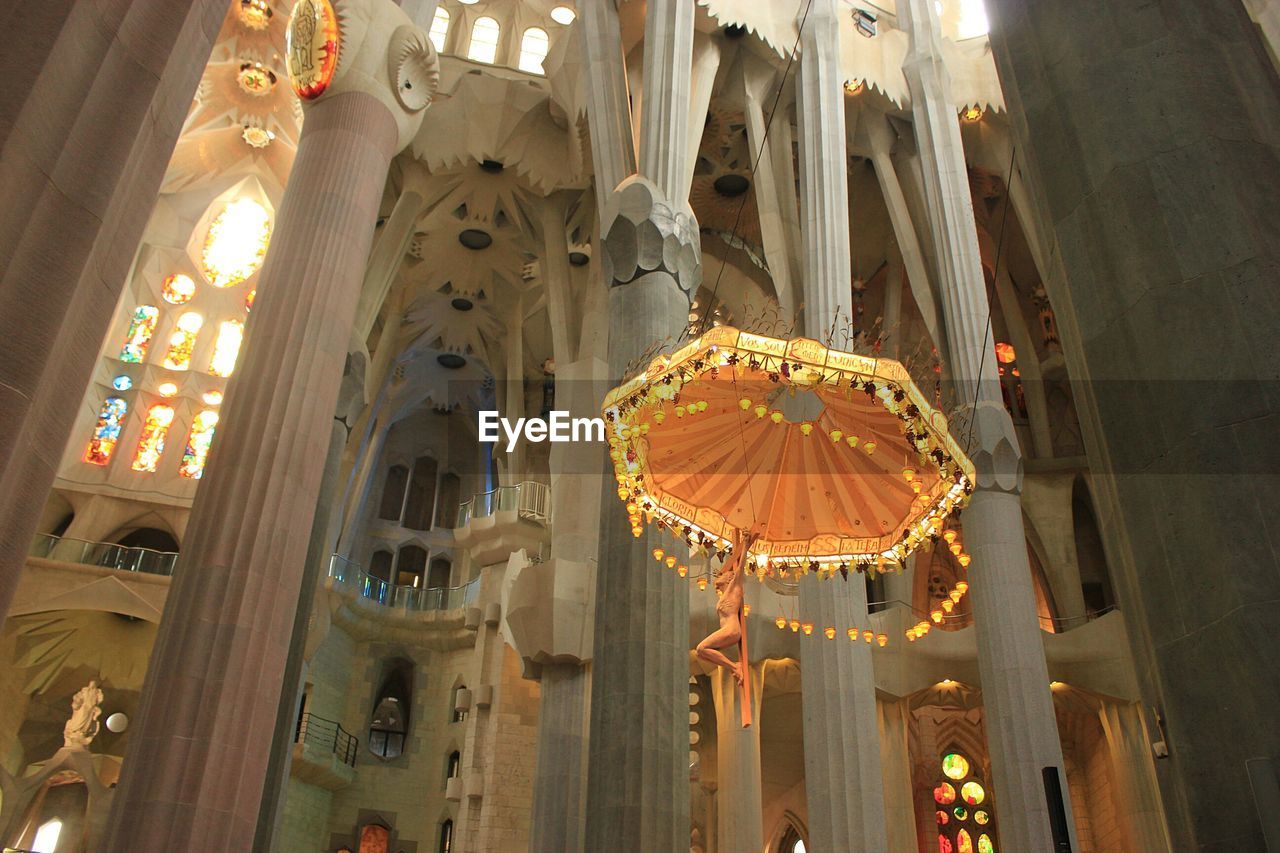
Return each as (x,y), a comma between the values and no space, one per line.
(141,328)
(226,348)
(122,383)
(198,443)
(151,444)
(183,341)
(106,432)
(236,243)
(958,823)
(178,289)
(248,300)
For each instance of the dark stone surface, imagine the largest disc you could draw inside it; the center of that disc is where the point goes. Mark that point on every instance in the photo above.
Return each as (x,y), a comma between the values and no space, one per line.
(1150,131)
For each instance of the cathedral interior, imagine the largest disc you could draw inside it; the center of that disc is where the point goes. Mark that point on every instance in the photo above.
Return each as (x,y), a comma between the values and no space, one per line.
(266,582)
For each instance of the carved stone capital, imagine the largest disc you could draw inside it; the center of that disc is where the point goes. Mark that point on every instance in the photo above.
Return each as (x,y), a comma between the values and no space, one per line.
(993,447)
(645,232)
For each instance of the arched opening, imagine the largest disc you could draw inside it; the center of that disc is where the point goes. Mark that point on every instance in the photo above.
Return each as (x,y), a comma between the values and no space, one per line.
(389,725)
(484,40)
(1095,575)
(791,842)
(446,837)
(149,537)
(375,839)
(963,807)
(393,493)
(457,713)
(422,494)
(380,565)
(534,45)
(447,504)
(453,768)
(438,577)
(439,28)
(411,565)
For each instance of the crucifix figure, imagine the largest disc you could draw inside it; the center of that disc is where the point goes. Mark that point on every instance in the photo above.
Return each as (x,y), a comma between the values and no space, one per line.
(733,625)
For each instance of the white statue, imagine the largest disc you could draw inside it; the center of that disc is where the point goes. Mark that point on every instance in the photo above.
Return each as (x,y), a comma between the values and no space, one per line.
(85,711)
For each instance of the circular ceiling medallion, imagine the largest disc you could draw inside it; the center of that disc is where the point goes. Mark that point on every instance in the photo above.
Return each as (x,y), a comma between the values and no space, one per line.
(731,185)
(492,166)
(462,303)
(579,259)
(474,238)
(451,360)
(312,43)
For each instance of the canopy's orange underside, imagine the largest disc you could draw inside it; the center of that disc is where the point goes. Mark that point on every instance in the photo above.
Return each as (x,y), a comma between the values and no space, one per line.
(750,469)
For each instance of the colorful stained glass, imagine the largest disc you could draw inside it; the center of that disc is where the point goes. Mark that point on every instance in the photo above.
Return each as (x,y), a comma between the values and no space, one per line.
(972,793)
(964,843)
(183,341)
(985,845)
(151,444)
(198,443)
(942,817)
(141,328)
(106,432)
(167,389)
(212,398)
(981,818)
(955,766)
(122,383)
(944,845)
(960,812)
(944,794)
(178,289)
(226,348)
(248,300)
(236,243)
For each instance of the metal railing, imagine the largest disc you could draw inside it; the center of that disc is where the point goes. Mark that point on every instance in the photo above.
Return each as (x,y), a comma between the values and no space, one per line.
(328,734)
(351,575)
(105,554)
(530,500)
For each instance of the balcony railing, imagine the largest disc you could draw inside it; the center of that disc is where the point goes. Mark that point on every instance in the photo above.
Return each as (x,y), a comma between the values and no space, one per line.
(529,500)
(327,734)
(351,575)
(105,554)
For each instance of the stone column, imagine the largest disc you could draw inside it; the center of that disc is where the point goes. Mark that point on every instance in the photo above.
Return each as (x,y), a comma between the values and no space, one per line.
(1138,798)
(638,797)
(1165,238)
(193,776)
(85,149)
(843,785)
(558,821)
(740,814)
(895,767)
(1022,732)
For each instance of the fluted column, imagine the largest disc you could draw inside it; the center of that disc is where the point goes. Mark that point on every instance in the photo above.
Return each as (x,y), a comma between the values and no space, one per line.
(1022,732)
(87,138)
(638,796)
(194,772)
(895,756)
(1138,798)
(740,813)
(558,821)
(843,785)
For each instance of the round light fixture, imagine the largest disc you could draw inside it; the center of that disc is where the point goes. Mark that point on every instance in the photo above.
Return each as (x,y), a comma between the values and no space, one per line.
(731,185)
(474,238)
(563,15)
(117,722)
(451,360)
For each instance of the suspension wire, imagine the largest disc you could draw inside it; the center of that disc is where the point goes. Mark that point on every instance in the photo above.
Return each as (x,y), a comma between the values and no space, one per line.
(764,141)
(995,271)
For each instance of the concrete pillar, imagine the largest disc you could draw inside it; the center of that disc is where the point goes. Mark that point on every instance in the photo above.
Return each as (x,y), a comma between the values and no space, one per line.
(843,784)
(84,153)
(198,756)
(1138,798)
(740,817)
(638,797)
(895,767)
(1165,235)
(1022,732)
(558,821)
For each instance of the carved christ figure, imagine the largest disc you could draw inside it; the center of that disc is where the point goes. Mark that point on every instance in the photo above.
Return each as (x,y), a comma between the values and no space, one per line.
(729,586)
(85,711)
